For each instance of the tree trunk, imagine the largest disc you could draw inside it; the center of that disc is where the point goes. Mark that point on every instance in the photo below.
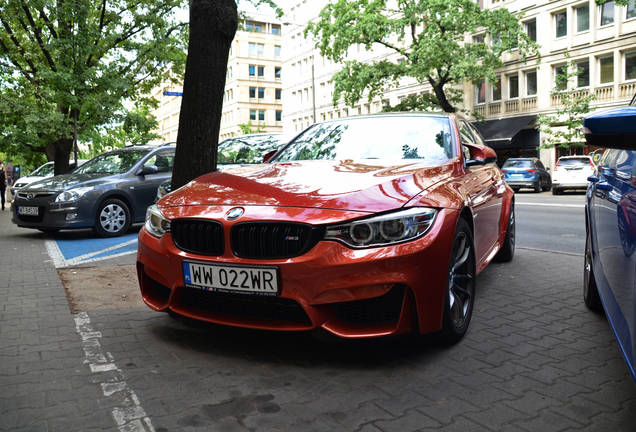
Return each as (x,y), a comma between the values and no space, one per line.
(60,152)
(213,24)
(441,98)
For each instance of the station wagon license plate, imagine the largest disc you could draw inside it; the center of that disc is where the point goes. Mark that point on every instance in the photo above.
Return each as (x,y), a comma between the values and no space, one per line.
(228,278)
(28,211)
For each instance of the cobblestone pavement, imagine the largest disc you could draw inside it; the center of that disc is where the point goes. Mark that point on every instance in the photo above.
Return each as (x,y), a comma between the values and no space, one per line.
(535,359)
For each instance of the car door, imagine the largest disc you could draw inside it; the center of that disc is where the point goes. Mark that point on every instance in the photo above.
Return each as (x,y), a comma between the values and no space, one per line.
(613,204)
(144,187)
(480,187)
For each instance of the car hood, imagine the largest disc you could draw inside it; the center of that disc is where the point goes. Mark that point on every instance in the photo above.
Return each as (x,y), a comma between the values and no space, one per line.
(67,181)
(368,186)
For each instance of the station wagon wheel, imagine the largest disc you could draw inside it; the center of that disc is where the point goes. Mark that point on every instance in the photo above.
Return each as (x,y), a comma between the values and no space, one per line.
(590,290)
(113,218)
(460,290)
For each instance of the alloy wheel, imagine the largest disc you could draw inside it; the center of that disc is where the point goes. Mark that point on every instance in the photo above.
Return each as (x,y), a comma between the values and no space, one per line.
(112,218)
(460,281)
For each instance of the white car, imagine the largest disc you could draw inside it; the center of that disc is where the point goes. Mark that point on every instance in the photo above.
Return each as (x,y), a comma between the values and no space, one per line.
(571,172)
(43,171)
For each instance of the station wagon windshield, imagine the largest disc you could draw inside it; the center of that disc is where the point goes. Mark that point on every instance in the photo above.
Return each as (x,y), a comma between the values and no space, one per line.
(112,163)
(44,170)
(381,137)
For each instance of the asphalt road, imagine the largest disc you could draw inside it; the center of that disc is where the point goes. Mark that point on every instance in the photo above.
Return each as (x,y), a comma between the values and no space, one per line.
(549,222)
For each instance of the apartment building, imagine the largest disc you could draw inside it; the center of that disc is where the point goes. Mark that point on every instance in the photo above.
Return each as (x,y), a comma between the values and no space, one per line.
(600,39)
(253,88)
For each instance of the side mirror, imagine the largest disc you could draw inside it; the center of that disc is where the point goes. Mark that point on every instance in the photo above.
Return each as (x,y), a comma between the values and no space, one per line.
(269,155)
(481,155)
(614,128)
(147,169)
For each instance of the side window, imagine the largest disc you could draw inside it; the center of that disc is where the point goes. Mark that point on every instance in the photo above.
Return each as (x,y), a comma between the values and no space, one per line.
(163,161)
(477,136)
(466,136)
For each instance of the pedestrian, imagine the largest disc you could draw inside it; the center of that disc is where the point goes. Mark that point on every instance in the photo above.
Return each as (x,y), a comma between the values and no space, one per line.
(3,182)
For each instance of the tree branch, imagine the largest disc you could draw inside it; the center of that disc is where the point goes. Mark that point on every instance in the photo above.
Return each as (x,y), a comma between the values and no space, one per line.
(48,23)
(99,33)
(15,41)
(388,45)
(38,36)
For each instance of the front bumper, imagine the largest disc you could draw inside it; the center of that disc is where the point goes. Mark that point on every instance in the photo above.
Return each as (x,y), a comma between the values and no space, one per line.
(51,215)
(569,185)
(350,293)
(521,183)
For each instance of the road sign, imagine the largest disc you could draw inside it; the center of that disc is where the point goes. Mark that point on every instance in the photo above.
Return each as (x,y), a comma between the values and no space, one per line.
(169,93)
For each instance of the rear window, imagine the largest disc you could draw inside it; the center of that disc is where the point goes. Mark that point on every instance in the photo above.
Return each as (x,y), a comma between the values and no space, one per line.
(518,163)
(574,162)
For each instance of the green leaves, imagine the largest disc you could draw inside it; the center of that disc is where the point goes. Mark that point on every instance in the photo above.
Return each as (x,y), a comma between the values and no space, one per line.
(428,40)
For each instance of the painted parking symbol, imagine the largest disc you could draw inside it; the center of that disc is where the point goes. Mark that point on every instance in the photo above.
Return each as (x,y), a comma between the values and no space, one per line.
(69,252)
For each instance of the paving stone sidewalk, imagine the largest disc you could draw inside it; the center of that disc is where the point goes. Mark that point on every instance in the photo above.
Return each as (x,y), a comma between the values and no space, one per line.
(535,359)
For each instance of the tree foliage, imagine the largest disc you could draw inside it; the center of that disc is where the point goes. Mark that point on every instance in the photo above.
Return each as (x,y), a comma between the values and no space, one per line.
(249,128)
(563,128)
(427,38)
(72,63)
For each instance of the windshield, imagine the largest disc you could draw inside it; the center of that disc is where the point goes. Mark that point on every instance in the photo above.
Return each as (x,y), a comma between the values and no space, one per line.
(45,170)
(112,163)
(518,163)
(248,149)
(381,137)
(573,162)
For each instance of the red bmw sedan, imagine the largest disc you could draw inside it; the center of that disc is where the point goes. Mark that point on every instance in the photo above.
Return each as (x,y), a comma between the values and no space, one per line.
(367,226)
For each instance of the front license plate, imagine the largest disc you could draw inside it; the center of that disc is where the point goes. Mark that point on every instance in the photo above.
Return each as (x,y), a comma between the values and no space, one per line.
(28,211)
(227,278)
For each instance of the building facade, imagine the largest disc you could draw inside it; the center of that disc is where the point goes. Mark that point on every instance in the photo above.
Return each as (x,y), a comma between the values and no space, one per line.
(601,40)
(253,87)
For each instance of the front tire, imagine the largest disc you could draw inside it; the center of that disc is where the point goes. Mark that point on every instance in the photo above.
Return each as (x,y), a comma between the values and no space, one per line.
(590,289)
(555,191)
(112,219)
(537,186)
(507,251)
(460,290)
(547,186)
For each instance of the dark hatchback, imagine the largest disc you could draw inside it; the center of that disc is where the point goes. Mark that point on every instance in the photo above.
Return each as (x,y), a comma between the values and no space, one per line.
(610,215)
(526,173)
(108,193)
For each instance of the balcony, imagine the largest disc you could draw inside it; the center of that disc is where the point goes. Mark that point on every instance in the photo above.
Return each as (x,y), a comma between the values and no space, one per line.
(626,90)
(512,106)
(529,103)
(604,93)
(494,108)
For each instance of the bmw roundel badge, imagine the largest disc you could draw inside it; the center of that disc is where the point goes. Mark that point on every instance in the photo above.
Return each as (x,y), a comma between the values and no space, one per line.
(234,213)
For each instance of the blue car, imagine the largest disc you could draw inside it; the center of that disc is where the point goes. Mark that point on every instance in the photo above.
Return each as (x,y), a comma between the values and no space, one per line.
(526,172)
(610,214)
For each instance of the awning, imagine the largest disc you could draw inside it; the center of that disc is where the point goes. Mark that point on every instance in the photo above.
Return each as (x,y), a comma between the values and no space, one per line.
(501,132)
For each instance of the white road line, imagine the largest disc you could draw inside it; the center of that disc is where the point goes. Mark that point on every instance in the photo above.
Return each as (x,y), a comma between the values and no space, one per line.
(54,252)
(549,205)
(129,415)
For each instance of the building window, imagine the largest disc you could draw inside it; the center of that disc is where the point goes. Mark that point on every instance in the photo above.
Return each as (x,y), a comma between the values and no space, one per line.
(478,38)
(252,114)
(261,93)
(260,49)
(560,77)
(277,50)
(252,92)
(279,115)
(252,70)
(261,115)
(531,29)
(480,92)
(258,28)
(277,72)
(513,86)
(531,83)
(252,48)
(606,64)
(607,13)
(582,18)
(261,71)
(249,27)
(275,29)
(496,90)
(278,93)
(583,71)
(561,24)
(631,10)
(630,65)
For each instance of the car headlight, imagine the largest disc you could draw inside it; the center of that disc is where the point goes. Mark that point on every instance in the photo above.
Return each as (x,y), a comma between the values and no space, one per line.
(72,194)
(390,228)
(19,185)
(156,223)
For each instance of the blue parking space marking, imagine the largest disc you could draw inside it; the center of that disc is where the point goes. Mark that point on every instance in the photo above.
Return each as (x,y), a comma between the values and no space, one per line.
(69,252)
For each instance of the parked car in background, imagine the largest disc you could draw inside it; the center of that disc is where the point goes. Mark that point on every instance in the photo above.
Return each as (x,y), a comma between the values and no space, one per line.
(44,171)
(108,193)
(241,150)
(363,227)
(526,173)
(609,281)
(571,173)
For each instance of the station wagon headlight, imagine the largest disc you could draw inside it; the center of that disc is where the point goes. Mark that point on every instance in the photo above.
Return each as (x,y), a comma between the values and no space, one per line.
(385,229)
(156,223)
(72,194)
